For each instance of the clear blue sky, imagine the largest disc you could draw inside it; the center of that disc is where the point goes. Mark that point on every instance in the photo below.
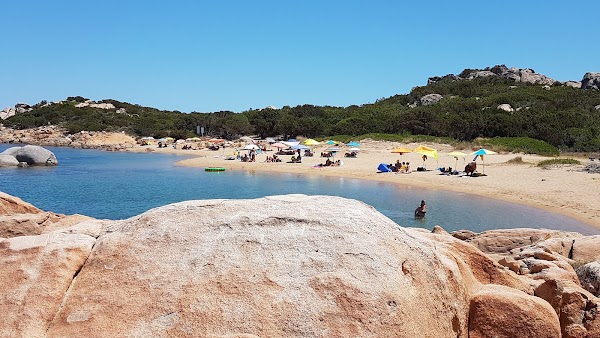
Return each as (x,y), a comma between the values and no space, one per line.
(234,55)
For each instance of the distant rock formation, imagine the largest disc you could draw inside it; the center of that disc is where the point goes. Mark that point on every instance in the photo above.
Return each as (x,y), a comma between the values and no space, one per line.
(430,99)
(506,107)
(525,75)
(18,109)
(591,81)
(55,136)
(92,104)
(217,268)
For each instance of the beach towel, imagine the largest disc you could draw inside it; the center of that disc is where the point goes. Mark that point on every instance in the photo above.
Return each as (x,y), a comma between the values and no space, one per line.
(384,168)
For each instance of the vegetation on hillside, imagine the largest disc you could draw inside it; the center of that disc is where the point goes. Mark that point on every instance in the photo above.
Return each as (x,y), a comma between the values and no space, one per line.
(562,117)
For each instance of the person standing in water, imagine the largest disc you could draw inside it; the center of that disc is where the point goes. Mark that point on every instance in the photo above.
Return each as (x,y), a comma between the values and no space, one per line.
(421,210)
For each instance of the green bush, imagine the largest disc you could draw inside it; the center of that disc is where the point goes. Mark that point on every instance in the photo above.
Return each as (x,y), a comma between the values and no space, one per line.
(557,161)
(519,145)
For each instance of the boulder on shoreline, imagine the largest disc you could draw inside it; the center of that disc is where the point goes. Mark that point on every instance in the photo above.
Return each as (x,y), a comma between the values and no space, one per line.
(252,268)
(32,155)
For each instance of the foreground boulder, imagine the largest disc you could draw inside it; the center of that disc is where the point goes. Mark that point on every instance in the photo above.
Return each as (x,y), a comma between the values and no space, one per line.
(272,267)
(36,273)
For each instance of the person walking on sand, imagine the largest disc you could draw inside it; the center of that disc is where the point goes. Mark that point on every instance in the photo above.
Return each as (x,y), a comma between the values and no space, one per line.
(421,210)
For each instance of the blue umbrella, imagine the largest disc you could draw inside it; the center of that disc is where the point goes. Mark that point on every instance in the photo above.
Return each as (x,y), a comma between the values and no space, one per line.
(300,146)
(482,152)
(292,140)
(353,144)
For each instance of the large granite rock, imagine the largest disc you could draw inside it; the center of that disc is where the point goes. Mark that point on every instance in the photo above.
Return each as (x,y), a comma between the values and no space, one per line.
(19,218)
(33,155)
(591,80)
(501,312)
(589,276)
(272,267)
(430,99)
(8,161)
(35,276)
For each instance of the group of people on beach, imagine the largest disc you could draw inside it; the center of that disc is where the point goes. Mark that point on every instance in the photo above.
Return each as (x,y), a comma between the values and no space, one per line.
(398,167)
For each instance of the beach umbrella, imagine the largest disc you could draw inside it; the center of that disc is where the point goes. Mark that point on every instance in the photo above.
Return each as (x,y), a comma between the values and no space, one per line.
(456,155)
(290,143)
(279,145)
(333,150)
(292,140)
(300,146)
(247,139)
(251,146)
(270,140)
(482,152)
(213,140)
(331,142)
(354,149)
(311,142)
(401,151)
(353,144)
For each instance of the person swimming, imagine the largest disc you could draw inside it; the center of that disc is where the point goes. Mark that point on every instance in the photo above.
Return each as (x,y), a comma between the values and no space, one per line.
(421,210)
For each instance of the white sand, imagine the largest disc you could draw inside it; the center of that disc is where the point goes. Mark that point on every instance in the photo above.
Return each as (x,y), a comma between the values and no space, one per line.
(565,190)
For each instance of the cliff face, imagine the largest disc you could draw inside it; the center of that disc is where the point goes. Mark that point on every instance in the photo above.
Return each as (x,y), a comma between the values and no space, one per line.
(284,266)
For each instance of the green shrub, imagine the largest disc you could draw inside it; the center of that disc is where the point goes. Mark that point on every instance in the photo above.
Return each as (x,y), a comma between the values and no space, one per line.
(557,161)
(519,145)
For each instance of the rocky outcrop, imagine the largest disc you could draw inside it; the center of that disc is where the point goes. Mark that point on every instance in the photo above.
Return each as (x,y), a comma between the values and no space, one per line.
(574,84)
(19,218)
(590,81)
(543,259)
(93,104)
(430,99)
(498,311)
(506,107)
(54,136)
(589,276)
(219,268)
(525,75)
(7,112)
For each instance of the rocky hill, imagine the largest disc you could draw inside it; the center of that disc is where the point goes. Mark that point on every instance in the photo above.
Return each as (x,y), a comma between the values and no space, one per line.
(272,267)
(477,103)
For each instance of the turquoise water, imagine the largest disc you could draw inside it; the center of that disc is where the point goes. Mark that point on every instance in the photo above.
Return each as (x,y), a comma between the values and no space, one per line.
(118,185)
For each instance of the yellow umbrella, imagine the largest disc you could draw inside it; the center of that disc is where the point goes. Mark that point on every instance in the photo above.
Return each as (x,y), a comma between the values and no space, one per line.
(425,150)
(311,142)
(401,151)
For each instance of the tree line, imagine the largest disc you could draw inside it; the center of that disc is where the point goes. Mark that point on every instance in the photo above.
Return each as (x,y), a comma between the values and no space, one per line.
(562,116)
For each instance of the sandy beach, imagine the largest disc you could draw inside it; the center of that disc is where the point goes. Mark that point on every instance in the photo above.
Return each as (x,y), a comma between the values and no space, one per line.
(564,190)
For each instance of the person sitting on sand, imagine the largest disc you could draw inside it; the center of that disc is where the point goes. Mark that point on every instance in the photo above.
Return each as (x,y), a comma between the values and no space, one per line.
(421,210)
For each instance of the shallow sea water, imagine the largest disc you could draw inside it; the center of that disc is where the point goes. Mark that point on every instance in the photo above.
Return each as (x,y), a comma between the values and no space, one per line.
(119,185)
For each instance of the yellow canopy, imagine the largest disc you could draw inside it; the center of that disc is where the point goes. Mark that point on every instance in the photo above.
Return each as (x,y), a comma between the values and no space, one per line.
(425,150)
(311,142)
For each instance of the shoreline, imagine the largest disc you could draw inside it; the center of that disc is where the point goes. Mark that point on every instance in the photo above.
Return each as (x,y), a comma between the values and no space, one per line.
(564,190)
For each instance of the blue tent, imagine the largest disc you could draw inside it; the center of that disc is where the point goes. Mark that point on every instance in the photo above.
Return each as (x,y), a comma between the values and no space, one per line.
(384,168)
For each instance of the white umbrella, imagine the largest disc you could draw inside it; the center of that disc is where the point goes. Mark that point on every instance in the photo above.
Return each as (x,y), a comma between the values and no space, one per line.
(251,146)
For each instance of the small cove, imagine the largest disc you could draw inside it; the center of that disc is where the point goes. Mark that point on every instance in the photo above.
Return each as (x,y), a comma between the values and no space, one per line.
(119,185)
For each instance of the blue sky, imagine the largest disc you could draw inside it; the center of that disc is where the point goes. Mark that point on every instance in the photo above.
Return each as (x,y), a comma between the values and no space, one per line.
(234,55)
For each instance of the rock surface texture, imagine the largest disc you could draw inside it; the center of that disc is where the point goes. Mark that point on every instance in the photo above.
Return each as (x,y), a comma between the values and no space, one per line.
(272,267)
(591,81)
